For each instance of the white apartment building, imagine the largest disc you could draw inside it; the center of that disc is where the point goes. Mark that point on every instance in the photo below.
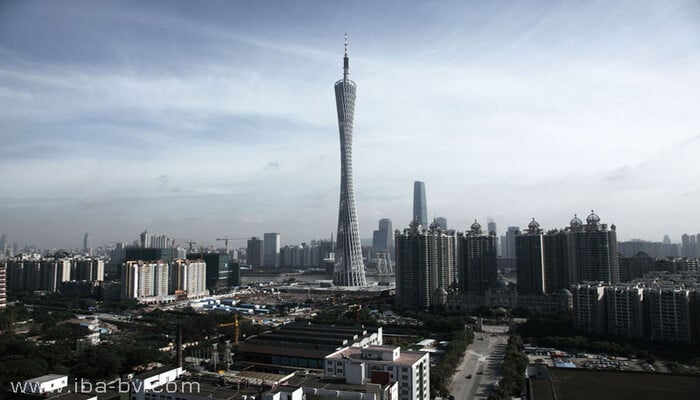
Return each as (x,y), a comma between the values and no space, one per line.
(410,369)
(669,313)
(625,310)
(146,281)
(589,307)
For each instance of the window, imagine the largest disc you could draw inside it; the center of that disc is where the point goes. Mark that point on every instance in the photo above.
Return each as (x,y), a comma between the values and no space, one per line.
(404,369)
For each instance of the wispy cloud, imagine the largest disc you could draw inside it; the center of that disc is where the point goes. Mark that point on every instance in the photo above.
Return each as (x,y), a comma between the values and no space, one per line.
(227,112)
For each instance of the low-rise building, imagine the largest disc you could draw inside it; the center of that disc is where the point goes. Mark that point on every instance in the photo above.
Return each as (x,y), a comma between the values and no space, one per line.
(410,369)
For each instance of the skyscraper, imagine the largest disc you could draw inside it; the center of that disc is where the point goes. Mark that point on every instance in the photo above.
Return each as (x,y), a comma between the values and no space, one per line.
(420,208)
(383,238)
(86,238)
(442,221)
(509,243)
(254,252)
(271,256)
(349,268)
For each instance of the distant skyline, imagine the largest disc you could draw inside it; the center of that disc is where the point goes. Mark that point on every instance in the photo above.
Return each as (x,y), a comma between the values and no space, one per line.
(204,120)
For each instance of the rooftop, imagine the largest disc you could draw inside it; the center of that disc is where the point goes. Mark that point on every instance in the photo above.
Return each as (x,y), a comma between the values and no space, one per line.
(583,384)
(327,383)
(47,378)
(355,354)
(154,372)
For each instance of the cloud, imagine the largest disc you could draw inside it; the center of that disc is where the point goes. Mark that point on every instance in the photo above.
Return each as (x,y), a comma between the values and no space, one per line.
(528,109)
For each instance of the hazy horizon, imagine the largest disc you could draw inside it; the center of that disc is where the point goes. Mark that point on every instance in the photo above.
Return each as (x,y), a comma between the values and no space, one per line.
(200,121)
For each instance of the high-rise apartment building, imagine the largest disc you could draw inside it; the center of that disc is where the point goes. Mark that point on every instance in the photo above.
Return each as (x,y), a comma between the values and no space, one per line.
(594,250)
(530,261)
(420,207)
(255,252)
(3,285)
(272,250)
(349,266)
(689,245)
(556,261)
(189,278)
(88,269)
(145,281)
(425,263)
(588,300)
(478,268)
(670,313)
(625,310)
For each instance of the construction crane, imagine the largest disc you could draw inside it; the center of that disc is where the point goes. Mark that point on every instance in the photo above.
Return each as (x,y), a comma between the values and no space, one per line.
(235,328)
(226,239)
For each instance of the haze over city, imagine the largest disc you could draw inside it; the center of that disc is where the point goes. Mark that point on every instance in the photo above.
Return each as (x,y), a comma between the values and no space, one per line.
(203,122)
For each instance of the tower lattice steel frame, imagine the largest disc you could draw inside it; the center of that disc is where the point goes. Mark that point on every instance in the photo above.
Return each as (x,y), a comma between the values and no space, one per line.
(349,268)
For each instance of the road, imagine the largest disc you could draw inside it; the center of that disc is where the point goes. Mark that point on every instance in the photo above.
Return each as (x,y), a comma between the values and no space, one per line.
(482,361)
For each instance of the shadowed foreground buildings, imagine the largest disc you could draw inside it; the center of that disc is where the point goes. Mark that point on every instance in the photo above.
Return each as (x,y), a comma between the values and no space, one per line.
(584,384)
(662,309)
(49,273)
(300,345)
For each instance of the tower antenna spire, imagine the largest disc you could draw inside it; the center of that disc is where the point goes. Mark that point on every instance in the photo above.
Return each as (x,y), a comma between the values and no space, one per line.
(346,60)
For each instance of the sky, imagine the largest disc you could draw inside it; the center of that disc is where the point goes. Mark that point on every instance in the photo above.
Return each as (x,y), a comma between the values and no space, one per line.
(200,120)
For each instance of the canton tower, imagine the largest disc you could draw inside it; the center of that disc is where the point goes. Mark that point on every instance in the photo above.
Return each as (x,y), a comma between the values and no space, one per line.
(349,269)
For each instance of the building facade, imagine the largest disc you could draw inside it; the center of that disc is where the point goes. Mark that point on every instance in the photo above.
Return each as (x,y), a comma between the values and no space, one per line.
(530,261)
(425,264)
(255,252)
(589,307)
(271,256)
(383,238)
(478,269)
(3,285)
(670,317)
(625,310)
(411,369)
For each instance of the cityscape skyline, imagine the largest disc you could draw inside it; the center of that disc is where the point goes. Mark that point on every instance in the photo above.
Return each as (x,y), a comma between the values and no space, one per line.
(166,118)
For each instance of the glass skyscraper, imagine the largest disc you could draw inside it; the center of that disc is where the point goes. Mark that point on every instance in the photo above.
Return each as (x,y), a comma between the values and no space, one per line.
(349,268)
(420,208)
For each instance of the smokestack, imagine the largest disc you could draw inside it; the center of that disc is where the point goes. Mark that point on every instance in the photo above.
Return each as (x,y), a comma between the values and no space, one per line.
(179,345)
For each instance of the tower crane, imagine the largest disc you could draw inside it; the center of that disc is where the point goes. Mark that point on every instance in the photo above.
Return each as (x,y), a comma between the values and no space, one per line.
(225,239)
